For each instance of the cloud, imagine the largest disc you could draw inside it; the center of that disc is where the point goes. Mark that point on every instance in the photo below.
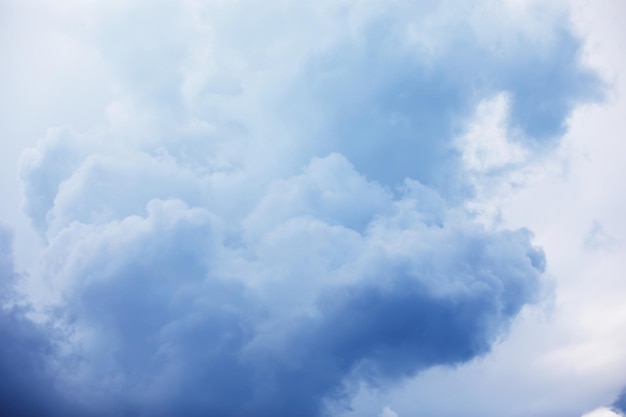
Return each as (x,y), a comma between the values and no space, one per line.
(374,83)
(405,81)
(620,403)
(143,305)
(566,358)
(269,217)
(602,412)
(46,166)
(167,313)
(27,353)
(388,412)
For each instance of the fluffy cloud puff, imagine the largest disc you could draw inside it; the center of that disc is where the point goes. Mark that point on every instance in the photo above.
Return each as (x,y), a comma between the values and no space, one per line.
(327,281)
(174,311)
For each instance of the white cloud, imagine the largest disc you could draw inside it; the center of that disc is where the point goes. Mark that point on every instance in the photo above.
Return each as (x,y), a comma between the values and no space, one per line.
(487,144)
(602,412)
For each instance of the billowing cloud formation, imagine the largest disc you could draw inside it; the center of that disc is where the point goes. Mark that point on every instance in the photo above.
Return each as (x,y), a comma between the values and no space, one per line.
(386,86)
(172,311)
(272,216)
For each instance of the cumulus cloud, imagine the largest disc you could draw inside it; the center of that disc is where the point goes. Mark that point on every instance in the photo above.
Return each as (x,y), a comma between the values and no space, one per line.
(168,312)
(272,216)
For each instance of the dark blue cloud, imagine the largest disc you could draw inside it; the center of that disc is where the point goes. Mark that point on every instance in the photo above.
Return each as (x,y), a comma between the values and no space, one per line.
(26,387)
(379,335)
(27,349)
(620,403)
(546,87)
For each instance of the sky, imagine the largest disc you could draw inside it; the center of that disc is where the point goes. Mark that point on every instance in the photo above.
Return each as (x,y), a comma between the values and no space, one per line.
(341,208)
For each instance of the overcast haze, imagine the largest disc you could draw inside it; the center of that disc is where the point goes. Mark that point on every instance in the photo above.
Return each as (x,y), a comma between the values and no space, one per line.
(336,208)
